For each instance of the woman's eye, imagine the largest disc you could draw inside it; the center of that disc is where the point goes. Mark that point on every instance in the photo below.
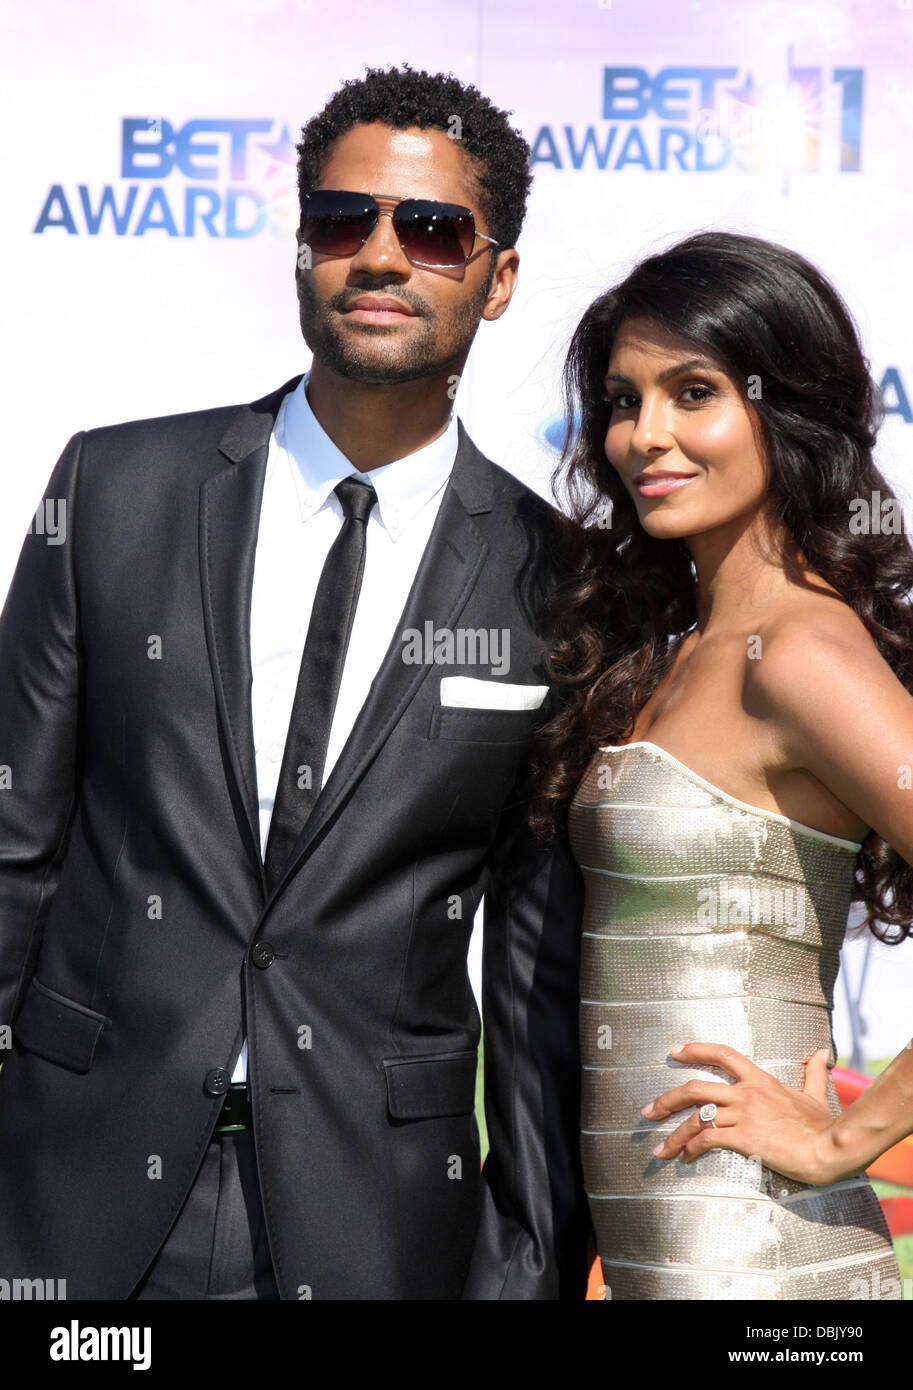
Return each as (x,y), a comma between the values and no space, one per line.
(627,400)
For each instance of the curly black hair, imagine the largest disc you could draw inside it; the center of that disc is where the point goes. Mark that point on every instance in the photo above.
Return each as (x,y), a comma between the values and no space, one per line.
(403,97)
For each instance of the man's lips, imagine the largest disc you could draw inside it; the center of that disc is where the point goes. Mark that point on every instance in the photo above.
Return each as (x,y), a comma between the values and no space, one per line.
(377,309)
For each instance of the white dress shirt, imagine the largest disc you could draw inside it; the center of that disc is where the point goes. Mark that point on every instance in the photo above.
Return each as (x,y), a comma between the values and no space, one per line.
(300,517)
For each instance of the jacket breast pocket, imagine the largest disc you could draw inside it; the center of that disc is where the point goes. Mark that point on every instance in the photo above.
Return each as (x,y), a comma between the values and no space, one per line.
(427,1087)
(57,1028)
(483,725)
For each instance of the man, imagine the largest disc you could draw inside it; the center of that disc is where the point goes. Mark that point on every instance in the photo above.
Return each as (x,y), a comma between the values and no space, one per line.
(265,715)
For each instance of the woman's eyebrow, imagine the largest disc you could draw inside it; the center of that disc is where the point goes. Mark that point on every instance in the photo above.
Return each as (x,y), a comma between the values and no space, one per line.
(671,372)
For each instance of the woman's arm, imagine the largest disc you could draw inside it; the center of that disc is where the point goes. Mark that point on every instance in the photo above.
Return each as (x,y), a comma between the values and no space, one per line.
(880,1117)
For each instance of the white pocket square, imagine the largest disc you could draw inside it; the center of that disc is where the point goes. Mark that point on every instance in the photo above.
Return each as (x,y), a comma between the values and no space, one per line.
(465,692)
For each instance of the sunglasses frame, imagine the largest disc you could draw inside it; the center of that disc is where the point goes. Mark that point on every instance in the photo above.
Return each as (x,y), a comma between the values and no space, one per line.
(388,212)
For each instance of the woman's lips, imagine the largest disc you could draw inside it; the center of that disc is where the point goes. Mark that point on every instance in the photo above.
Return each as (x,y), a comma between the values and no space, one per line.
(658,487)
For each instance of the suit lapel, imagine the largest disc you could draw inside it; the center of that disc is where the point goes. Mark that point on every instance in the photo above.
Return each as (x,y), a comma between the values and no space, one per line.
(230,504)
(229,521)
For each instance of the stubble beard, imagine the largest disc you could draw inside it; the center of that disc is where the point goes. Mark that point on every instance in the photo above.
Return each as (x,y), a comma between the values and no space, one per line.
(376,356)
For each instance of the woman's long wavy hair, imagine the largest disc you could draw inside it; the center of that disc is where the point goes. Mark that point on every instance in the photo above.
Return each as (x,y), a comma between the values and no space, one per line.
(763,313)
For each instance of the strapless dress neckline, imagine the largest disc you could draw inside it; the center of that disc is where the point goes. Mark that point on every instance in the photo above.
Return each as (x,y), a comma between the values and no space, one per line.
(726,796)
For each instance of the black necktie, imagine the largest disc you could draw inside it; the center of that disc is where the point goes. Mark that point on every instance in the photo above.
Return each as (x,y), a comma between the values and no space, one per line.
(322,662)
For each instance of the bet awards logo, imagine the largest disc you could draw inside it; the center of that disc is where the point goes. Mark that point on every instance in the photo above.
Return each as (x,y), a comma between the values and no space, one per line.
(206,178)
(706,119)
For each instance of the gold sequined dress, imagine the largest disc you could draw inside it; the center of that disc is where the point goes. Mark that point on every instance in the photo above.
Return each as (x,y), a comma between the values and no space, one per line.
(708,920)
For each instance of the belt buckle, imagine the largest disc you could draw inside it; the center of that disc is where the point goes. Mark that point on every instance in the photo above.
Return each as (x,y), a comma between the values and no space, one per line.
(235,1114)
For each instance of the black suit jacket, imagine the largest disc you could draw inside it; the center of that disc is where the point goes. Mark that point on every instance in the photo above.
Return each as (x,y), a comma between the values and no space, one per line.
(132,892)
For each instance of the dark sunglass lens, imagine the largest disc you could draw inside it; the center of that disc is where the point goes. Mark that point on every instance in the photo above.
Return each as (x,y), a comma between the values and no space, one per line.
(440,234)
(337,223)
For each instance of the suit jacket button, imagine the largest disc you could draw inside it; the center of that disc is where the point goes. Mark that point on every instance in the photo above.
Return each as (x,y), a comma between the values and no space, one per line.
(216,1082)
(262,955)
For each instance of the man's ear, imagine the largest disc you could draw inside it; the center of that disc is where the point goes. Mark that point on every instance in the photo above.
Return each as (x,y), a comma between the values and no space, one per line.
(503,284)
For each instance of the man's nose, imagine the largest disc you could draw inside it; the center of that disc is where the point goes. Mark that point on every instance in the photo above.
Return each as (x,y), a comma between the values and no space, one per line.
(381,252)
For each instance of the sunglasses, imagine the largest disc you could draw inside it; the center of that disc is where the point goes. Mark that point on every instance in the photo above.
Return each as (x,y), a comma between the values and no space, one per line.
(439,235)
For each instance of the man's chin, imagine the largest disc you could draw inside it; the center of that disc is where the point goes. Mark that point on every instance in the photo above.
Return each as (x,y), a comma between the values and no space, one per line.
(377,370)
(383,373)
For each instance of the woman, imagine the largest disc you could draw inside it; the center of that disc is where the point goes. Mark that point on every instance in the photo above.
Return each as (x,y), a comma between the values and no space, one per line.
(735,648)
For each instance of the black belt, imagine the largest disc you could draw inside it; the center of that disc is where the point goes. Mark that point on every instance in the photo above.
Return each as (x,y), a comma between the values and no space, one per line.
(236,1112)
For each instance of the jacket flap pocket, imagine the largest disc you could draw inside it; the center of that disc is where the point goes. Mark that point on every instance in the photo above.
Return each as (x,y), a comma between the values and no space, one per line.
(483,725)
(421,1088)
(57,1028)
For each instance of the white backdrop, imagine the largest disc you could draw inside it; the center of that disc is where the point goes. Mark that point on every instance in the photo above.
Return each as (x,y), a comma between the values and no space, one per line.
(147,264)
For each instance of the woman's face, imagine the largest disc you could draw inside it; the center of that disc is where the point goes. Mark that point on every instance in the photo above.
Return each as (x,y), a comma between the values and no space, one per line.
(675,411)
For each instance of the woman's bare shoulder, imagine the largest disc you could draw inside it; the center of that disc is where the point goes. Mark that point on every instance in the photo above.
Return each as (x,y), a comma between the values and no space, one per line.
(825,623)
(831,705)
(816,662)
